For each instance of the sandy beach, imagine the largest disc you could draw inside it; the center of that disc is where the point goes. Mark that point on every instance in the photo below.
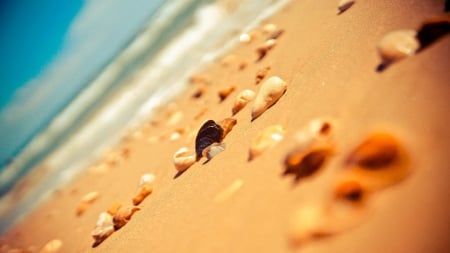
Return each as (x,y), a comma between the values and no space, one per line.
(230,204)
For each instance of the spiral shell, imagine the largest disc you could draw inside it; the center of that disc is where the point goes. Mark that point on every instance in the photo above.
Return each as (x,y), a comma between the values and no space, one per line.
(123,216)
(242,99)
(209,133)
(266,139)
(145,188)
(183,159)
(270,92)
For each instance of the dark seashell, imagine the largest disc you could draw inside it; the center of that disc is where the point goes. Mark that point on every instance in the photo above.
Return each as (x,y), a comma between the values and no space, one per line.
(209,133)
(433,29)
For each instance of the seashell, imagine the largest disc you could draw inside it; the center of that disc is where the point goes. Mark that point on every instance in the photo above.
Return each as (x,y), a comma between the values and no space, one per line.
(201,89)
(270,92)
(145,188)
(85,202)
(433,29)
(266,47)
(183,159)
(123,216)
(223,94)
(343,5)
(242,99)
(209,133)
(397,45)
(266,139)
(114,208)
(243,64)
(104,228)
(350,190)
(261,74)
(379,161)
(316,130)
(227,125)
(52,246)
(213,150)
(304,163)
(175,118)
(245,38)
(269,28)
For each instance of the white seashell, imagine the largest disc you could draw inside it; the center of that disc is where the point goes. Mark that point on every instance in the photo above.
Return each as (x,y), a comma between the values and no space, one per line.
(245,38)
(242,99)
(123,216)
(344,5)
(52,246)
(183,159)
(265,140)
(270,92)
(145,188)
(397,45)
(104,227)
(213,150)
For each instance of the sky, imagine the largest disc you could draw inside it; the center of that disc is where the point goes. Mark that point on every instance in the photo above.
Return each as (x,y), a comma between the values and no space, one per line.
(50,50)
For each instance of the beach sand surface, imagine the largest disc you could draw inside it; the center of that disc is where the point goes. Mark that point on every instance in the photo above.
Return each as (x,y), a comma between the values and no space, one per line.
(231,204)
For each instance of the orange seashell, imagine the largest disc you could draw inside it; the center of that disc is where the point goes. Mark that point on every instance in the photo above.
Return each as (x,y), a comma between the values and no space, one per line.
(266,139)
(227,125)
(242,99)
(123,216)
(379,161)
(224,93)
(86,201)
(145,188)
(304,163)
(270,92)
(261,74)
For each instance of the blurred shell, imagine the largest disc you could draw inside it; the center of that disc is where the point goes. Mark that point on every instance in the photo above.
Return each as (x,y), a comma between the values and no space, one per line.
(270,92)
(87,199)
(350,190)
(52,246)
(304,163)
(213,150)
(227,125)
(316,130)
(269,28)
(266,139)
(183,159)
(104,228)
(123,216)
(242,99)
(379,161)
(344,5)
(397,45)
(224,93)
(261,74)
(433,29)
(263,49)
(145,188)
(209,133)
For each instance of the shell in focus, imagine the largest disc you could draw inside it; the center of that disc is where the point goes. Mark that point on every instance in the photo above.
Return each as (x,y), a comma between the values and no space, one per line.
(266,139)
(397,45)
(242,100)
(123,216)
(224,93)
(227,125)
(304,163)
(344,5)
(104,228)
(183,159)
(213,150)
(270,92)
(145,188)
(209,133)
(379,161)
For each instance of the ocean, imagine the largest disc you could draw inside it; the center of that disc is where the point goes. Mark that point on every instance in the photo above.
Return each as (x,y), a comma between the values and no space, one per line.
(153,67)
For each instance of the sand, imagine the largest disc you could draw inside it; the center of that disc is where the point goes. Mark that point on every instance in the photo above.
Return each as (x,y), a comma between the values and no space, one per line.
(231,205)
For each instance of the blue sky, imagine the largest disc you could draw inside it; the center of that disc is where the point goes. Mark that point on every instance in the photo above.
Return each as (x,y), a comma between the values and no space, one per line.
(50,50)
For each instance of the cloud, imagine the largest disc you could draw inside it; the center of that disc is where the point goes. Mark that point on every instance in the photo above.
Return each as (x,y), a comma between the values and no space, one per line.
(97,33)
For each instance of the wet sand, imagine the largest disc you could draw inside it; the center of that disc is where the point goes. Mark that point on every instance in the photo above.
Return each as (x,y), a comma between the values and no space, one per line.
(232,205)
